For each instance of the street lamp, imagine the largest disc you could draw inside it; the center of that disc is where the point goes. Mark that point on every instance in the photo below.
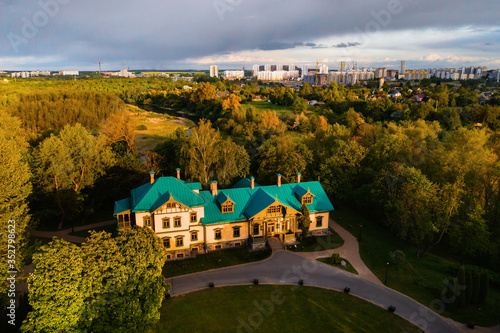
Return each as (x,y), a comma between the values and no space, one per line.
(386,270)
(360,229)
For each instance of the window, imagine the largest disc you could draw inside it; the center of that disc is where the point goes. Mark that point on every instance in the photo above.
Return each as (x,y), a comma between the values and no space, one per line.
(193,217)
(256,229)
(179,241)
(237,244)
(218,234)
(177,221)
(236,232)
(319,221)
(274,209)
(147,221)
(166,222)
(123,221)
(194,249)
(194,236)
(180,255)
(171,205)
(227,207)
(169,256)
(166,242)
(307,199)
(218,247)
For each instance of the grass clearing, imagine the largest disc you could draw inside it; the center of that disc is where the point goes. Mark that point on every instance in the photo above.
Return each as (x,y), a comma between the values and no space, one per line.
(423,279)
(293,309)
(154,128)
(318,243)
(264,106)
(212,260)
(348,267)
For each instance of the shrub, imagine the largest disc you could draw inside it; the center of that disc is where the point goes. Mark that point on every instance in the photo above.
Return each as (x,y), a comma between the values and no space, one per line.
(142,127)
(211,284)
(347,290)
(255,281)
(397,257)
(484,287)
(335,259)
(391,309)
(301,282)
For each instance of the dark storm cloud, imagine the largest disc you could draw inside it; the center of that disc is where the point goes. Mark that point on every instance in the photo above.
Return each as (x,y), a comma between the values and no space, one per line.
(166,32)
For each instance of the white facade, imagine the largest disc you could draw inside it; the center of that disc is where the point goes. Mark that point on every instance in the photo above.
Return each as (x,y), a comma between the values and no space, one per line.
(214,71)
(323,69)
(233,75)
(277,75)
(69,73)
(255,70)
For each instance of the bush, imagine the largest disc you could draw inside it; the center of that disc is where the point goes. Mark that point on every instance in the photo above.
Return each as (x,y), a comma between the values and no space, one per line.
(484,287)
(301,282)
(335,259)
(391,309)
(142,127)
(347,290)
(211,284)
(397,257)
(255,281)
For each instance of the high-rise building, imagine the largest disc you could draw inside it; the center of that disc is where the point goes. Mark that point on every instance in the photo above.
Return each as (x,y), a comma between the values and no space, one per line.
(304,71)
(214,71)
(402,69)
(255,70)
(267,67)
(291,67)
(279,67)
(323,69)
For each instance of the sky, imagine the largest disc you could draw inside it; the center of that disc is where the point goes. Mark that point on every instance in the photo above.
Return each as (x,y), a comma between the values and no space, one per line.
(193,34)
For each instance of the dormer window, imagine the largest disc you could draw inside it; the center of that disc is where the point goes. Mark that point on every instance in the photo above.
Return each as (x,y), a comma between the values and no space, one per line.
(307,199)
(227,207)
(274,210)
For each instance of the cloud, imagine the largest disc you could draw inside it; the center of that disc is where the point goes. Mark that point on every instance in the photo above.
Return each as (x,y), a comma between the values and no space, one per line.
(343,45)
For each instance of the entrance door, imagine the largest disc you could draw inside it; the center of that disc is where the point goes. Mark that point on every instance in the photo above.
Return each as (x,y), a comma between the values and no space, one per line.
(270,229)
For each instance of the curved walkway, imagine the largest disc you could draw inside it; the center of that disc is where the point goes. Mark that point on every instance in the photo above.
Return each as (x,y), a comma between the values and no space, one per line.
(65,234)
(349,251)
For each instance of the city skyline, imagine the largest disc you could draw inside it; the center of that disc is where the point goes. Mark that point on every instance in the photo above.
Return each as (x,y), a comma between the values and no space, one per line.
(65,34)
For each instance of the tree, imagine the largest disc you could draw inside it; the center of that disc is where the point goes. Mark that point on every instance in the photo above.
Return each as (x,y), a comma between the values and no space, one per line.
(153,162)
(70,162)
(305,220)
(271,124)
(120,126)
(108,284)
(281,155)
(299,104)
(57,290)
(204,92)
(15,187)
(233,162)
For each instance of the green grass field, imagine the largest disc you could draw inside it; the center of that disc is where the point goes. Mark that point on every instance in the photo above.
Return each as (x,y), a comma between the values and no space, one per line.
(320,243)
(348,267)
(286,309)
(420,278)
(212,260)
(154,128)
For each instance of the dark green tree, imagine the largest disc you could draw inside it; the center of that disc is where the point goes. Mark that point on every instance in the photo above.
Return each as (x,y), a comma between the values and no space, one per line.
(305,220)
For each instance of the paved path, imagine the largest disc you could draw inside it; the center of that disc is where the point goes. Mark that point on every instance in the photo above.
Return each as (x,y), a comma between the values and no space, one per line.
(285,267)
(349,251)
(65,234)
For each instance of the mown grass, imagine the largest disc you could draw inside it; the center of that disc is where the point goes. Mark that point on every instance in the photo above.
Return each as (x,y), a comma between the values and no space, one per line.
(266,308)
(348,267)
(423,279)
(212,260)
(318,243)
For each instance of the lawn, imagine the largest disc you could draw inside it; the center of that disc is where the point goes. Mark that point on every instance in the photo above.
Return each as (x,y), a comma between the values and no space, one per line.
(348,267)
(420,278)
(266,308)
(154,128)
(111,228)
(319,243)
(264,106)
(211,260)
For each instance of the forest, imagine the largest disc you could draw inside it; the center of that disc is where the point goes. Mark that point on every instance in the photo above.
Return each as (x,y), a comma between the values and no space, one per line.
(427,168)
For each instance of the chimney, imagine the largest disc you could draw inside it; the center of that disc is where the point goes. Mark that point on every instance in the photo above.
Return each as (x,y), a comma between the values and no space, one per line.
(298,177)
(213,187)
(178,173)
(279,180)
(252,182)
(152,176)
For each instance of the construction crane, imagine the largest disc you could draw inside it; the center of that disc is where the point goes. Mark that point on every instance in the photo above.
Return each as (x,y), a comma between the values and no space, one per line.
(316,75)
(100,63)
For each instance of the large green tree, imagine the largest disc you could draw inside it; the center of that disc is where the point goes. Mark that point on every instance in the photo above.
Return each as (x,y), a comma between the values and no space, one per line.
(70,162)
(106,285)
(15,187)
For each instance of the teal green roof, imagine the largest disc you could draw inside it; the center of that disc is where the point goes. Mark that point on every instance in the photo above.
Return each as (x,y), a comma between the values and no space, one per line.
(121,206)
(149,197)
(247,201)
(244,182)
